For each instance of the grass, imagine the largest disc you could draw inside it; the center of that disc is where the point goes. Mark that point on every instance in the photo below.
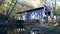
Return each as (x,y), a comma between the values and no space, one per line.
(51,29)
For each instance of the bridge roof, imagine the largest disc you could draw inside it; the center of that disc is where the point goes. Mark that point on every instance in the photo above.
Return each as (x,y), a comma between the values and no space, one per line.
(31,10)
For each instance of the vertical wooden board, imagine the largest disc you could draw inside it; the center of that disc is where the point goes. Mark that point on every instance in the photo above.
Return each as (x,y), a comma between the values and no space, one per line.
(31,15)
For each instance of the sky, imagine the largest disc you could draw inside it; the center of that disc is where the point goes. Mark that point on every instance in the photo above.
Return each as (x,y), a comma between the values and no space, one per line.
(36,3)
(57,1)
